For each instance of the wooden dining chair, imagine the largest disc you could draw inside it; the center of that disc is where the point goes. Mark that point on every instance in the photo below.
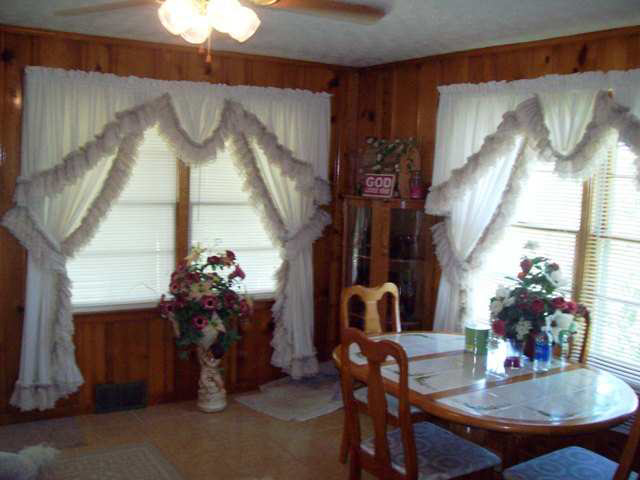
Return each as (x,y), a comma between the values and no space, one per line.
(372,324)
(577,463)
(579,341)
(421,450)
(370,296)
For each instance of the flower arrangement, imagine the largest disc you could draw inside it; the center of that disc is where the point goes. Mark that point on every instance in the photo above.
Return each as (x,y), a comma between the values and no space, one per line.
(205,301)
(385,149)
(524,308)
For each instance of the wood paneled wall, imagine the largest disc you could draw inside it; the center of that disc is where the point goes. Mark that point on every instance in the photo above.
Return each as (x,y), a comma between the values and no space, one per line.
(401,99)
(137,345)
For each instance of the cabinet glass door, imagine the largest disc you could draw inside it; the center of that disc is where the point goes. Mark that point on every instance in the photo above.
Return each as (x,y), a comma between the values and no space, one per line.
(358,245)
(407,264)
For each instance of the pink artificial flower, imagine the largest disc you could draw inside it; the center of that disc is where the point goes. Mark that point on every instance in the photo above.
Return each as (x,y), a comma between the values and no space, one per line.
(525,265)
(499,328)
(214,260)
(230,255)
(245,308)
(209,302)
(559,303)
(570,307)
(200,321)
(554,266)
(537,306)
(230,298)
(238,272)
(174,287)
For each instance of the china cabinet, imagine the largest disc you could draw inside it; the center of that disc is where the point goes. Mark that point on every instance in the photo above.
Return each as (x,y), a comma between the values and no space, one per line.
(385,241)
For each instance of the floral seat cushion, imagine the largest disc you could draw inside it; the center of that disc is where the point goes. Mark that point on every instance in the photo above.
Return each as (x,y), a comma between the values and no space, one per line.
(441,454)
(572,463)
(393,405)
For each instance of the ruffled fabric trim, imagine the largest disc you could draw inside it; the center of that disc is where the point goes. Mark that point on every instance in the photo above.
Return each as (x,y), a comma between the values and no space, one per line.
(528,119)
(125,135)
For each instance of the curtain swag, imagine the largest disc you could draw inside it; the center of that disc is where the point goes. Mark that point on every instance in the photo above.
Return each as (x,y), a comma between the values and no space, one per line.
(524,124)
(122,137)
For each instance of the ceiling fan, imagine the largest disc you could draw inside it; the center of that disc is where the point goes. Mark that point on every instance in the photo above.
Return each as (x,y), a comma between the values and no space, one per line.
(335,9)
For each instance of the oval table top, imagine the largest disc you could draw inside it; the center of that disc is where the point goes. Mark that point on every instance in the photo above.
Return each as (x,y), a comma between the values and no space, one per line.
(477,390)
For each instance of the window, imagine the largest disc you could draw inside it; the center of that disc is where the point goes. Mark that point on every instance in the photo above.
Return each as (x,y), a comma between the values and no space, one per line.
(611,280)
(132,254)
(222,218)
(597,244)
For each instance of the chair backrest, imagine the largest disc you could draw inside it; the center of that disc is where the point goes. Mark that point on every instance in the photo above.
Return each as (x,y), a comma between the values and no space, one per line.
(630,451)
(579,341)
(376,353)
(370,297)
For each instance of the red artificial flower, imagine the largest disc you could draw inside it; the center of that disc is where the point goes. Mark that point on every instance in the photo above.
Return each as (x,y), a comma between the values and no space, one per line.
(200,321)
(245,308)
(238,272)
(209,302)
(214,260)
(230,298)
(559,303)
(525,265)
(230,255)
(570,307)
(174,287)
(499,328)
(537,306)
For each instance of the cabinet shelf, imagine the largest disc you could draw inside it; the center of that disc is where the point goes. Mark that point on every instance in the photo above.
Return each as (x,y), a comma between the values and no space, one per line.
(406,260)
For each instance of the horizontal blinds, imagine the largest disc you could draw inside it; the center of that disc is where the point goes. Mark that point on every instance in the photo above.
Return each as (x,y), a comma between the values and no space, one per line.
(222,218)
(547,223)
(611,283)
(132,255)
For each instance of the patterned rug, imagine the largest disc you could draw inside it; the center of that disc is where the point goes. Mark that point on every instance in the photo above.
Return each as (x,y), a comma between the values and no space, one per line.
(127,462)
(59,433)
(299,400)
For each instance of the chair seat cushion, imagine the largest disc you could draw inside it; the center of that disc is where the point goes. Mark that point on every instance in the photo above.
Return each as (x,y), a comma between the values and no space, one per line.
(441,454)
(393,404)
(572,463)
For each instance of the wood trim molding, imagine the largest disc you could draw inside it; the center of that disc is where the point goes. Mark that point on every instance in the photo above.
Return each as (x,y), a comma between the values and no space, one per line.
(547,42)
(163,46)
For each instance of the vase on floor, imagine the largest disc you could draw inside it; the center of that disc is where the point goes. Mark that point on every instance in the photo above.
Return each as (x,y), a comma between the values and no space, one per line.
(212,396)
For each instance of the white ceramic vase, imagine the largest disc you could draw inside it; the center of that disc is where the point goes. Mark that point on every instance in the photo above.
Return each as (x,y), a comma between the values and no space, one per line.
(212,396)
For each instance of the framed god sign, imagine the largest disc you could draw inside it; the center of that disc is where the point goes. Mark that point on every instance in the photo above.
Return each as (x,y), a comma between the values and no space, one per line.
(378,185)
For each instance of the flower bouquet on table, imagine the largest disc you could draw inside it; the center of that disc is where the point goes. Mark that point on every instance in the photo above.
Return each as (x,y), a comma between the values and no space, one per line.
(519,312)
(204,312)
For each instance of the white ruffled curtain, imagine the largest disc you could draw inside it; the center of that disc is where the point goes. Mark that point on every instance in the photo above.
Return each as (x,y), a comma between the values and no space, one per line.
(487,137)
(81,132)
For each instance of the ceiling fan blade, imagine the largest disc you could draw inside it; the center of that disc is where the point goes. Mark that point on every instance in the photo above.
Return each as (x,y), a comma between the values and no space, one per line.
(105,7)
(338,10)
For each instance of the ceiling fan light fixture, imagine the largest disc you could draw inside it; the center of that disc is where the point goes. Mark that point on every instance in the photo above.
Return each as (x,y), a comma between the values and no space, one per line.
(177,15)
(220,13)
(243,24)
(199,30)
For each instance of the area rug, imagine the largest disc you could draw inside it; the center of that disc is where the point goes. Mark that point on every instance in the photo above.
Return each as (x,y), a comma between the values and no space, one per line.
(299,400)
(59,433)
(127,462)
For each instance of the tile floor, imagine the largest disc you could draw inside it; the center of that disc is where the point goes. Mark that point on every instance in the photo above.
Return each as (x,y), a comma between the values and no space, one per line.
(237,443)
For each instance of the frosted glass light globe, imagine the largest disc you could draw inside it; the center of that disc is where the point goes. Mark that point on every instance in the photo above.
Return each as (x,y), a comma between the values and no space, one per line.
(199,30)
(176,15)
(243,24)
(220,13)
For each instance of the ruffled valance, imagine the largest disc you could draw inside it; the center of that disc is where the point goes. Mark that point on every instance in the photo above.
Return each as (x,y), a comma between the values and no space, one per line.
(238,129)
(523,130)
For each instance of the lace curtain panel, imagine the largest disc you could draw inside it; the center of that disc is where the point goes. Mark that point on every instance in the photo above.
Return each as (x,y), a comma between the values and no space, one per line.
(487,137)
(80,136)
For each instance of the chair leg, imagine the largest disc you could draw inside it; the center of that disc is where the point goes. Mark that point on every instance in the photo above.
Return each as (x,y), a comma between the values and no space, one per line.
(344,443)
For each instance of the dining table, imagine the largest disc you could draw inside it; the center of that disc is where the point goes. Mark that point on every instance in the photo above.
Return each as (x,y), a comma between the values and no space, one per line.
(458,386)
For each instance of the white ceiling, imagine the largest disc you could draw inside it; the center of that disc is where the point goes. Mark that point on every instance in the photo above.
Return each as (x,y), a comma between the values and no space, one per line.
(412,28)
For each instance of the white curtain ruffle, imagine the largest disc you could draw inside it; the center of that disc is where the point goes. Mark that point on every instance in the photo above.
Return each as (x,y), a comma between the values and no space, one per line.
(122,136)
(527,121)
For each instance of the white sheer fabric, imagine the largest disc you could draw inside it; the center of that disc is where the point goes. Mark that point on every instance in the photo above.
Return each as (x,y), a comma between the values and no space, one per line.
(69,182)
(568,120)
